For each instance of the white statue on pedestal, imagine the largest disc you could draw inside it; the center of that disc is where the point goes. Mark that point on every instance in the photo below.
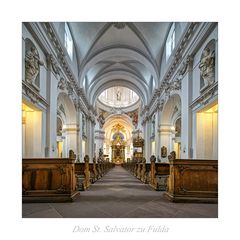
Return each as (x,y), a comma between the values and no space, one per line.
(32,65)
(207,66)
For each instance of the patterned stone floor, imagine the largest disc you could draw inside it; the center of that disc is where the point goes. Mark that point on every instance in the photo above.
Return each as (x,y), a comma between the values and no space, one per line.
(119,195)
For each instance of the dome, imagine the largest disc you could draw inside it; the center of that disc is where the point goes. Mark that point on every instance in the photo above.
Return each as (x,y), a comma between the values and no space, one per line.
(118,97)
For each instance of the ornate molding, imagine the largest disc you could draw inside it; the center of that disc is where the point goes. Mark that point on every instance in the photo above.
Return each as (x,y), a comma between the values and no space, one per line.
(119,25)
(206,96)
(53,64)
(165,86)
(62,84)
(61,59)
(32,94)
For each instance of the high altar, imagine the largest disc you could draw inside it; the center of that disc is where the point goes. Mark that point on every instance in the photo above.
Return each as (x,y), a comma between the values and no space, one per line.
(118,150)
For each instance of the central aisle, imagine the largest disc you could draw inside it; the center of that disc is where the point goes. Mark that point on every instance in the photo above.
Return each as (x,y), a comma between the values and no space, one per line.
(119,195)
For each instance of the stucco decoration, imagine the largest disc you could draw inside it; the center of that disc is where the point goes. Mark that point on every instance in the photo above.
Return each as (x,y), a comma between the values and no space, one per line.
(32,64)
(207,65)
(119,25)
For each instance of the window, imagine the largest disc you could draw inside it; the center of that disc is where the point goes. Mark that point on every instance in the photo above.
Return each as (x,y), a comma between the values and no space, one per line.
(68,41)
(170,44)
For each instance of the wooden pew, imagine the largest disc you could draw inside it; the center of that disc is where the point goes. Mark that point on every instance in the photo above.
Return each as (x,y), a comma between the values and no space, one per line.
(146,167)
(193,180)
(159,174)
(95,172)
(82,171)
(139,169)
(48,180)
(99,168)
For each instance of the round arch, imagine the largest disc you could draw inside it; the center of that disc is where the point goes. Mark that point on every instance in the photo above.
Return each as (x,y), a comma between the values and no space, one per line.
(171,107)
(104,84)
(69,109)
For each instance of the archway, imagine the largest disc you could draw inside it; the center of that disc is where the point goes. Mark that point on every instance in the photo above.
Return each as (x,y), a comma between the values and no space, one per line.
(67,127)
(170,126)
(118,125)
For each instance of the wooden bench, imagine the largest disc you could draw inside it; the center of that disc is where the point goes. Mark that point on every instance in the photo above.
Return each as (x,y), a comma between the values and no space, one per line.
(83,175)
(48,180)
(193,180)
(146,167)
(159,174)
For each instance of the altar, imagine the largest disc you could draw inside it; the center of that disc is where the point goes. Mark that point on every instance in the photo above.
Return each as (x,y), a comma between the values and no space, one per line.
(118,150)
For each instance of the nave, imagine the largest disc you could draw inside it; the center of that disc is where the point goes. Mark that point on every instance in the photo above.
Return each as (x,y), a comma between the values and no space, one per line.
(119,195)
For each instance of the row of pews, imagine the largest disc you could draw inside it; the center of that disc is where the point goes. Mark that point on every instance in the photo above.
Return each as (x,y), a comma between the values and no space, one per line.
(153,173)
(88,173)
(59,179)
(183,180)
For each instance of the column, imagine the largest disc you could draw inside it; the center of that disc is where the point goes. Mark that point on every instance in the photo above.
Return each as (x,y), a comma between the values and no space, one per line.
(157,137)
(186,115)
(147,142)
(51,129)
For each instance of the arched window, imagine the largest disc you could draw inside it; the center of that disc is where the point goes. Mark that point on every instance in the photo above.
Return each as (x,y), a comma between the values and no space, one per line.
(68,41)
(170,43)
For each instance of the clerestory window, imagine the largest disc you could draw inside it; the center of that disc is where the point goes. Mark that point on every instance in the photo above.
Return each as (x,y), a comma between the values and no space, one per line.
(170,43)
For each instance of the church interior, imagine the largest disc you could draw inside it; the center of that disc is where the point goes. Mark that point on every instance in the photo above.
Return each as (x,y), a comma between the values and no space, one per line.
(119,120)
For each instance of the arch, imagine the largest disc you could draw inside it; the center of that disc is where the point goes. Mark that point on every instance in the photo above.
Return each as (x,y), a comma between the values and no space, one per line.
(121,119)
(69,109)
(106,83)
(169,109)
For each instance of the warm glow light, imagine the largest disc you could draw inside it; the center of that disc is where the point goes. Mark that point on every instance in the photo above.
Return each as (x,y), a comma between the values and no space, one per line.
(172,128)
(26,108)
(213,109)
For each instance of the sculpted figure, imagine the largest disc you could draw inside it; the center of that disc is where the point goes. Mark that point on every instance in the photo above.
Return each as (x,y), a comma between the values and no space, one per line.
(32,65)
(207,66)
(101,119)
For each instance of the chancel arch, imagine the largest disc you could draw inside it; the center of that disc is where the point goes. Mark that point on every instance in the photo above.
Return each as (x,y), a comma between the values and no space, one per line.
(118,134)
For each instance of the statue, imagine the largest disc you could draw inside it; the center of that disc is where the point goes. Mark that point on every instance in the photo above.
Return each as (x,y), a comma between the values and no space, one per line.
(72,155)
(118,95)
(172,156)
(152,158)
(101,119)
(207,66)
(32,65)
(134,117)
(62,84)
(163,152)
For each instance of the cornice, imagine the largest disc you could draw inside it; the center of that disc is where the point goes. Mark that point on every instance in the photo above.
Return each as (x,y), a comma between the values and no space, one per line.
(33,95)
(49,29)
(178,55)
(205,97)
